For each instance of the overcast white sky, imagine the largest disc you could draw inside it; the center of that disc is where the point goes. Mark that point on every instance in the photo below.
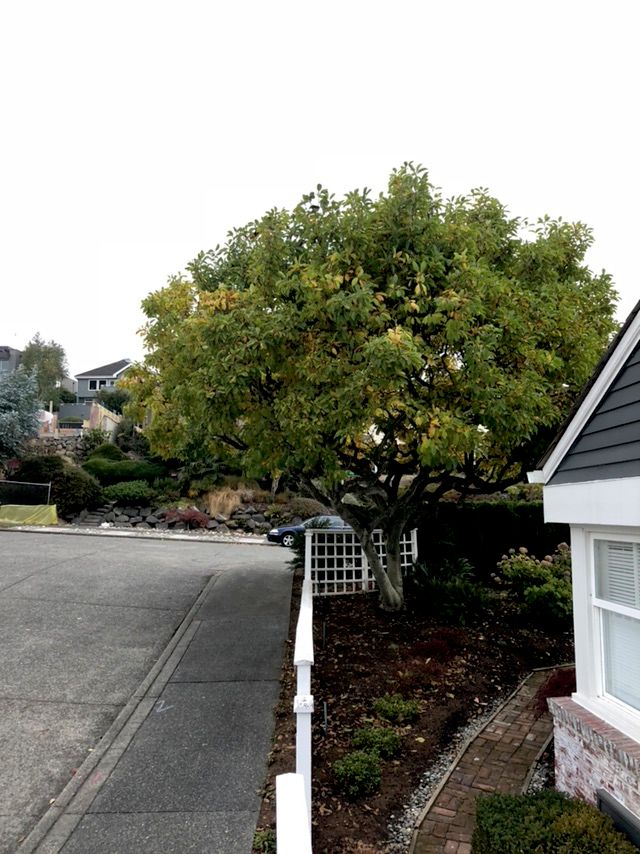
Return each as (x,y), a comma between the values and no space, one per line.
(136,133)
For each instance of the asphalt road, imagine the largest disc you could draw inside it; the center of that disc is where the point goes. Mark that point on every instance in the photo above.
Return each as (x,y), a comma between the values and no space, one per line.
(82,622)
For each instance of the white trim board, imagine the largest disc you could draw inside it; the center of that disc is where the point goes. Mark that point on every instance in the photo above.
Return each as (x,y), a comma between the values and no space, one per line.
(599,502)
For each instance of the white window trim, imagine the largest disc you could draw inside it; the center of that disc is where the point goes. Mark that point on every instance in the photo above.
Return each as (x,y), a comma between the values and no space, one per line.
(590,693)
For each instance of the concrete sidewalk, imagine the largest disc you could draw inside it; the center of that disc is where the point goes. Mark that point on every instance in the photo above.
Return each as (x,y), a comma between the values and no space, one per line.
(172,763)
(185,774)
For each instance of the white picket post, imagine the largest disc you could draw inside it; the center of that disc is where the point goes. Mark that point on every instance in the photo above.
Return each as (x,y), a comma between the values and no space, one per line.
(293,833)
(303,702)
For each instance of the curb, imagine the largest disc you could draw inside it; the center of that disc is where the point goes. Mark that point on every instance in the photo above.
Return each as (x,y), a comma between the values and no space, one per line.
(58,823)
(141,535)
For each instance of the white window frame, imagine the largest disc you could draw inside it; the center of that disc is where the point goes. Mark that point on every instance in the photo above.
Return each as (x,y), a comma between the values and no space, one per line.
(588,609)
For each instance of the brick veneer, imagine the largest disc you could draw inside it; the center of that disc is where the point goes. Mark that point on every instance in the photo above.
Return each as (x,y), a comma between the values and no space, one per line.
(590,754)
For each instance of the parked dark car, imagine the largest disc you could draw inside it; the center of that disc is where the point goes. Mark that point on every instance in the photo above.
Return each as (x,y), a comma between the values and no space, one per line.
(285,534)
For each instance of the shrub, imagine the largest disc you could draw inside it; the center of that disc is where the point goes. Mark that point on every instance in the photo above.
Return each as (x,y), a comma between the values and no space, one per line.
(307,507)
(358,773)
(223,501)
(191,517)
(114,471)
(130,439)
(92,439)
(108,452)
(542,588)
(448,590)
(75,490)
(72,489)
(544,823)
(395,709)
(376,739)
(129,492)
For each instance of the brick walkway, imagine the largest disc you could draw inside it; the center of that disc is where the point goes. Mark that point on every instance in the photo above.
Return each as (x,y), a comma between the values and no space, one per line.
(498,759)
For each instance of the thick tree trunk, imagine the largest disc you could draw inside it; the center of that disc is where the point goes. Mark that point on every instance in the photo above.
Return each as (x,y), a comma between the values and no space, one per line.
(391,597)
(394,560)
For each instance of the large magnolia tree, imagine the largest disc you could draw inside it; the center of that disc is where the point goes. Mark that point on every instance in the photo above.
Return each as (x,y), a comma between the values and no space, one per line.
(383,350)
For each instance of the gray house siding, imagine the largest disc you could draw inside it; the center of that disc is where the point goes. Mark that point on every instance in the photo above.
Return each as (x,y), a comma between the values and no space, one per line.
(609,445)
(10,359)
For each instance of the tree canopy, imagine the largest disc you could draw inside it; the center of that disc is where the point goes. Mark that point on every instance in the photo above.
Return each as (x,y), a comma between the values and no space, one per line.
(18,406)
(382,349)
(46,360)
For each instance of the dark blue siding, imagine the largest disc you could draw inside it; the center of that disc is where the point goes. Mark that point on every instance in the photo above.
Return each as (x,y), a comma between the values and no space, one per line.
(609,444)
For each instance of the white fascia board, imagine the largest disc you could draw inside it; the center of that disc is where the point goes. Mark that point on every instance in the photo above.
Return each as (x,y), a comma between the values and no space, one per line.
(124,368)
(608,374)
(535,476)
(599,502)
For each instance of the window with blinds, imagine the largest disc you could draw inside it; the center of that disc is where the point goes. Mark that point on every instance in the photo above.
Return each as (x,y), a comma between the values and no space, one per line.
(617,587)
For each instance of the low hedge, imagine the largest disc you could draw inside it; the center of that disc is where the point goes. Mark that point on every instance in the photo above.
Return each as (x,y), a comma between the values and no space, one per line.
(129,492)
(545,823)
(482,531)
(116,471)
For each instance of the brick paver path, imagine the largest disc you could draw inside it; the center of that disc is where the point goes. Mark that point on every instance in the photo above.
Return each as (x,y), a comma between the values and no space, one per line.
(497,760)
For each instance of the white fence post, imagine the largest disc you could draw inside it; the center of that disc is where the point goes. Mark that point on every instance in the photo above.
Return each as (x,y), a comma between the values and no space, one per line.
(303,702)
(293,834)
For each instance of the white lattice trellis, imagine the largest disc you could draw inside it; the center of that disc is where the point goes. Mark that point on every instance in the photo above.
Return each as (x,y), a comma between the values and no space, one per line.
(335,562)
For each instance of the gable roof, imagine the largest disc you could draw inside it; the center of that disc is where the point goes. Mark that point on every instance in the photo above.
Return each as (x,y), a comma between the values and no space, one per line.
(603,377)
(111,370)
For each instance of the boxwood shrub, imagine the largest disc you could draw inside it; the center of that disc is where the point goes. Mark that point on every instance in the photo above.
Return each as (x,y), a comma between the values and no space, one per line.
(116,471)
(108,452)
(545,823)
(129,492)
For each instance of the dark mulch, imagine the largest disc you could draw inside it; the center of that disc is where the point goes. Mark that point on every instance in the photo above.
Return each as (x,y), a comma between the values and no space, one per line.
(363,653)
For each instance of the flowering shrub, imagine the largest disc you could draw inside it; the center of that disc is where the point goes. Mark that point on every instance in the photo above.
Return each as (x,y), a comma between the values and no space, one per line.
(541,587)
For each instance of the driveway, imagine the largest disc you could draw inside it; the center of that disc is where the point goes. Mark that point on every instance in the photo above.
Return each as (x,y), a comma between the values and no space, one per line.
(82,622)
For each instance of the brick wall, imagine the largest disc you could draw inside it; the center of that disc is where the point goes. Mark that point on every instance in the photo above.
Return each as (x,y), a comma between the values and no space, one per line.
(591,755)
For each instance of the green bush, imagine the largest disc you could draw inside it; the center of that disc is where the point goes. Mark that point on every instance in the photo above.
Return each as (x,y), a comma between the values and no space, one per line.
(544,823)
(358,773)
(376,739)
(542,588)
(129,492)
(92,439)
(395,709)
(448,590)
(108,452)
(72,489)
(114,471)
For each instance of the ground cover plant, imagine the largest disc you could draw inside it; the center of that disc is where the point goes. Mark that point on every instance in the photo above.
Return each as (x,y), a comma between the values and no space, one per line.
(451,673)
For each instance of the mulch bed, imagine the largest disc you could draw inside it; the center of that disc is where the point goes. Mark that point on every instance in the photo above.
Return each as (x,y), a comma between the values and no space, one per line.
(362,653)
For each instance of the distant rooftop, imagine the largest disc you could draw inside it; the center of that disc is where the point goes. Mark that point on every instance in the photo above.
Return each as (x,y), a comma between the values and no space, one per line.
(110,370)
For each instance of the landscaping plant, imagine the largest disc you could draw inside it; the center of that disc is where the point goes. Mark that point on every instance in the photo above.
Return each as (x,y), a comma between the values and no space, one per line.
(358,773)
(382,740)
(129,492)
(395,709)
(542,588)
(544,823)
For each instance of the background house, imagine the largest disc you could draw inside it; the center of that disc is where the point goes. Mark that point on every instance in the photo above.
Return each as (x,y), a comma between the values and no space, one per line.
(591,478)
(106,376)
(10,359)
